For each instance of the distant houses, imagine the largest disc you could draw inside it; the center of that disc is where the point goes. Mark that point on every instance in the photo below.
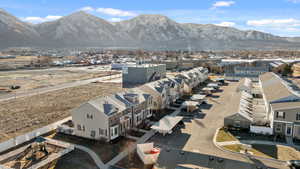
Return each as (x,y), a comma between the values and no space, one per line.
(108,117)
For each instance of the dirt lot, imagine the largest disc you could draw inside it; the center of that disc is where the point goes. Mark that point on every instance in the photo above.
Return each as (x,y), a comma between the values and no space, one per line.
(19,61)
(25,114)
(32,79)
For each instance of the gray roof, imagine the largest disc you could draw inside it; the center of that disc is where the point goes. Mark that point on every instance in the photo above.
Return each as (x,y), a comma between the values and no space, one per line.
(276,90)
(106,105)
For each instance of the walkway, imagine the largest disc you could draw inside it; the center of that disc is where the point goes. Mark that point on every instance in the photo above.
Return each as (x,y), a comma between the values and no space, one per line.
(95,157)
(143,139)
(256,142)
(123,154)
(92,154)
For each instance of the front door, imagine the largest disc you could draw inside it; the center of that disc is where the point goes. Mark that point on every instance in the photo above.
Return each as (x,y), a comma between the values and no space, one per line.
(289,130)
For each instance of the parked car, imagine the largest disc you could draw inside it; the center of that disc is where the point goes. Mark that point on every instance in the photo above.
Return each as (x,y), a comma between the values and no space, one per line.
(294,164)
(15,87)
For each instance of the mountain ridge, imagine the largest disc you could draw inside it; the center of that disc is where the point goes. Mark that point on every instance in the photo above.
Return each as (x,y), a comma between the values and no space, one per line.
(149,31)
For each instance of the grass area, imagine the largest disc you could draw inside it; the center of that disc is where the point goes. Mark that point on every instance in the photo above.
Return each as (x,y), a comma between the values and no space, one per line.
(245,135)
(269,151)
(223,136)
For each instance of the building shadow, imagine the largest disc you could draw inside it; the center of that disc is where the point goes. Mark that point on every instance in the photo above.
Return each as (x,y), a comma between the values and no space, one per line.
(175,140)
(206,106)
(173,158)
(214,96)
(269,150)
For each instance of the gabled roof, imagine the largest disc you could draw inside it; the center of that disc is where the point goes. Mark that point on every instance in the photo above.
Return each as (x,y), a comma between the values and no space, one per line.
(167,123)
(277,92)
(107,105)
(157,86)
(275,89)
(122,97)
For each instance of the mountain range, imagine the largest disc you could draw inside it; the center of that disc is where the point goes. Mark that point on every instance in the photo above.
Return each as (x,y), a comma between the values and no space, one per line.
(158,32)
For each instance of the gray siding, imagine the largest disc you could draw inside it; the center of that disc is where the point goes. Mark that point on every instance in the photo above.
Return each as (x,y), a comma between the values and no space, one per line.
(142,74)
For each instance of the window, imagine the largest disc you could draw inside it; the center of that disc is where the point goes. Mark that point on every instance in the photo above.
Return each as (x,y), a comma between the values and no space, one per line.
(83,127)
(237,123)
(93,133)
(278,128)
(280,114)
(101,132)
(116,131)
(79,127)
(89,116)
(298,116)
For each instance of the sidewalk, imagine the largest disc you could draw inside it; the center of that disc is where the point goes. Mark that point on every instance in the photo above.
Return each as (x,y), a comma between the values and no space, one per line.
(257,142)
(94,156)
(220,145)
(123,154)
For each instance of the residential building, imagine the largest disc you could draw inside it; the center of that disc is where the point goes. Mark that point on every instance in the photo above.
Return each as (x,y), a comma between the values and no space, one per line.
(282,104)
(238,72)
(139,74)
(112,116)
(243,115)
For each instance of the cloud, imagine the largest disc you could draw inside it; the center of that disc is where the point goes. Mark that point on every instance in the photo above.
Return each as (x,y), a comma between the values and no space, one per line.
(274,23)
(115,19)
(222,4)
(115,12)
(226,24)
(282,27)
(294,1)
(87,9)
(34,19)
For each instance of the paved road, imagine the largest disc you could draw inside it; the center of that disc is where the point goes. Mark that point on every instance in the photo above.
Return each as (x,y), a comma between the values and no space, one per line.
(56,87)
(192,146)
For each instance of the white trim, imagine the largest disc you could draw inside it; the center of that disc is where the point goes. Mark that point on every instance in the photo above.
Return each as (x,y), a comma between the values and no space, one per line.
(289,108)
(282,121)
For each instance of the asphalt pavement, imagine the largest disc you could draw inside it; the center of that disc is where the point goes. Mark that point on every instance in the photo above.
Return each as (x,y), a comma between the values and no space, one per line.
(193,145)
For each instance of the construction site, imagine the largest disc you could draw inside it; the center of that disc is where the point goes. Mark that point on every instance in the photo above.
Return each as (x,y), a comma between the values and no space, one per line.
(38,154)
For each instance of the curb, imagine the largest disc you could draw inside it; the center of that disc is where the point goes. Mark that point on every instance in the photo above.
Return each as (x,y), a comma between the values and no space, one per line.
(237,153)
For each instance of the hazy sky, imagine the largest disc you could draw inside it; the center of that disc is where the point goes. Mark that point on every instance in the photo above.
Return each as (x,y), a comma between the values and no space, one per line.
(280,17)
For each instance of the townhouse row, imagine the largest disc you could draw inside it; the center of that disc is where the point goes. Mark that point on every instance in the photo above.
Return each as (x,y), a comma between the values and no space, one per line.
(271,106)
(107,118)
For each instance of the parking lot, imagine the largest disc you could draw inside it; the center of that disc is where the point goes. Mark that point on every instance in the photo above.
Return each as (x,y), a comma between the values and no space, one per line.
(192,145)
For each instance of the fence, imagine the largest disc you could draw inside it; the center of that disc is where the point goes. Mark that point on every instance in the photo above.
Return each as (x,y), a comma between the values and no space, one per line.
(31,135)
(261,130)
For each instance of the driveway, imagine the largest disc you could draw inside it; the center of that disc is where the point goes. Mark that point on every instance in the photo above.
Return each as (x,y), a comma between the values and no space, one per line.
(192,146)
